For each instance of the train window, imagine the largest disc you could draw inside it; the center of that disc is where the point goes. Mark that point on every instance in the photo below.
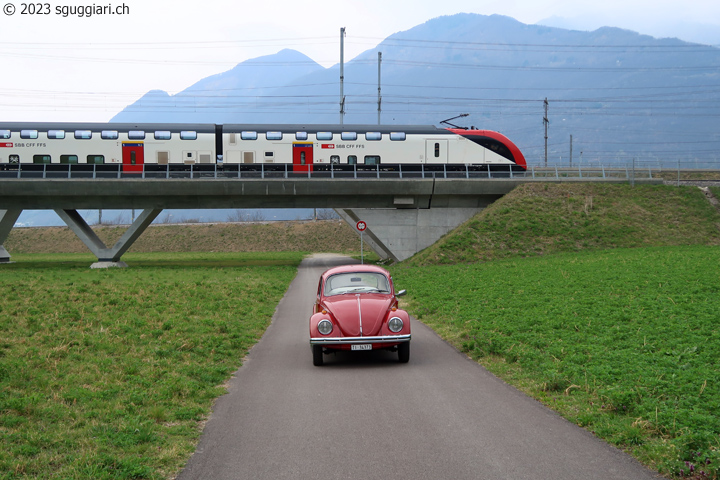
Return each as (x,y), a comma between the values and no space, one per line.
(189,135)
(274,135)
(163,135)
(335,159)
(41,159)
(83,134)
(109,135)
(269,154)
(248,135)
(29,134)
(136,135)
(56,134)
(4,134)
(373,136)
(397,136)
(350,136)
(372,160)
(437,150)
(324,135)
(68,159)
(96,159)
(494,145)
(352,159)
(298,136)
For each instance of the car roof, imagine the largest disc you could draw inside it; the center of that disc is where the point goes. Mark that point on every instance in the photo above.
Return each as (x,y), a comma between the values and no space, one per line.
(355,268)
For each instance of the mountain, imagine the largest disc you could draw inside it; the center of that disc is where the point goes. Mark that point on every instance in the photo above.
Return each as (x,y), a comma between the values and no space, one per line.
(620,94)
(704,33)
(215,99)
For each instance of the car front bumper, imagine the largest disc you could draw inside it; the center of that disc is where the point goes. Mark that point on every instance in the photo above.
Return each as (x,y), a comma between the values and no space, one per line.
(359,340)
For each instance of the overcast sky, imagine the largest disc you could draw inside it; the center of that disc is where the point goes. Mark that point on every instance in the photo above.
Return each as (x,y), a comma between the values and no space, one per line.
(70,68)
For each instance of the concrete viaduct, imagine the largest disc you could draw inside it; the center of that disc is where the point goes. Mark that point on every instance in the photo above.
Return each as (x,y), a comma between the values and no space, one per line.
(403,216)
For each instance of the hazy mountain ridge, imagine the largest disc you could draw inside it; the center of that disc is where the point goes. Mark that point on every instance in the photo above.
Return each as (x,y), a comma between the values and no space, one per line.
(619,93)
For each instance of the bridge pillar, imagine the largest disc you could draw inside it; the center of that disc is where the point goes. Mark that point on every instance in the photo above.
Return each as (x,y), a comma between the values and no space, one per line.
(107,257)
(7,222)
(398,234)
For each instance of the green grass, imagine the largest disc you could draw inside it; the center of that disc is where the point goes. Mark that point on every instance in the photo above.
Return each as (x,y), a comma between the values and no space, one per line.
(540,219)
(624,342)
(109,373)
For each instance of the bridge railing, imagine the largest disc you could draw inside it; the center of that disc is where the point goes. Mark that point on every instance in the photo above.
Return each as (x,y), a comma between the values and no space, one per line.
(289,171)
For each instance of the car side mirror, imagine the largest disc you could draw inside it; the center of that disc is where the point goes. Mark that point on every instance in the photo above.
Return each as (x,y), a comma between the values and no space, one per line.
(401,293)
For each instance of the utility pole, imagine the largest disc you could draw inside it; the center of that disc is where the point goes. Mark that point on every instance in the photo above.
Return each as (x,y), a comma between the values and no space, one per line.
(379,87)
(546,122)
(571,150)
(342,74)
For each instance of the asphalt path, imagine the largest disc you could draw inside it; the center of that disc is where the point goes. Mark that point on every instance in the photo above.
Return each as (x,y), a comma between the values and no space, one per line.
(363,415)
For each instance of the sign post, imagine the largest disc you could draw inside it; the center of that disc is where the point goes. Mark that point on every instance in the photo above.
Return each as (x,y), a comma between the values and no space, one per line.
(361,226)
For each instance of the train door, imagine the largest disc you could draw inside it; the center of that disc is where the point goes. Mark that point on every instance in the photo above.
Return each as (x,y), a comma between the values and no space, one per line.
(302,157)
(436,151)
(133,156)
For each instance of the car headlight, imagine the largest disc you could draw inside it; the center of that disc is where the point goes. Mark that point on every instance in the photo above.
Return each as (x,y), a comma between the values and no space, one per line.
(324,326)
(395,324)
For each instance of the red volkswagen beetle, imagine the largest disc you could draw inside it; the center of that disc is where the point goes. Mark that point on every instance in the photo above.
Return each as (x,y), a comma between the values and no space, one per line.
(357,309)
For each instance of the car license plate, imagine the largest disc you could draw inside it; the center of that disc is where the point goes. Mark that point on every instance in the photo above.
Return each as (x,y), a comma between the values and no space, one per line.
(364,346)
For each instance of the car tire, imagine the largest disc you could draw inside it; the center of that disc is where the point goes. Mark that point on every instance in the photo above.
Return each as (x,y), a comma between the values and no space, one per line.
(317,355)
(404,352)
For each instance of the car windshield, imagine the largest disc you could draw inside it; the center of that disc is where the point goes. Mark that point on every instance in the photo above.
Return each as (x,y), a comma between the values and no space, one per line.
(356,282)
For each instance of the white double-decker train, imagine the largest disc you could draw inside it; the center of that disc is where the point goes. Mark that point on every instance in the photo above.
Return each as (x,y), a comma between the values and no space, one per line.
(137,147)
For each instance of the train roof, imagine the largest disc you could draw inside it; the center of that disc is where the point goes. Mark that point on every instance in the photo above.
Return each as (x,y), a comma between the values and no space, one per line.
(334,128)
(97,126)
(228,128)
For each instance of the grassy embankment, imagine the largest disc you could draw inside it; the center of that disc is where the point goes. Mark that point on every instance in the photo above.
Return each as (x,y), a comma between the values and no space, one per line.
(624,342)
(327,236)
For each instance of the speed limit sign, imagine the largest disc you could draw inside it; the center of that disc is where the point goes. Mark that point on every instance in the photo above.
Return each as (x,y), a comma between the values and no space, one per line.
(361,226)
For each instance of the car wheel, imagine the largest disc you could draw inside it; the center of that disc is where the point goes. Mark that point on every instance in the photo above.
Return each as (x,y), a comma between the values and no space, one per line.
(317,355)
(404,352)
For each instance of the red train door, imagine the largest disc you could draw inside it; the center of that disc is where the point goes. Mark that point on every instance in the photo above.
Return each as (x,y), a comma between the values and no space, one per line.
(302,157)
(133,156)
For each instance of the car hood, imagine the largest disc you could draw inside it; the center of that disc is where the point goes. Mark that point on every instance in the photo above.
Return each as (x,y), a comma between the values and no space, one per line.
(348,310)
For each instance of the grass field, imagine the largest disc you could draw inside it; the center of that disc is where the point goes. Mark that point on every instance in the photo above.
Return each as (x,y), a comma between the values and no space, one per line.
(625,342)
(110,373)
